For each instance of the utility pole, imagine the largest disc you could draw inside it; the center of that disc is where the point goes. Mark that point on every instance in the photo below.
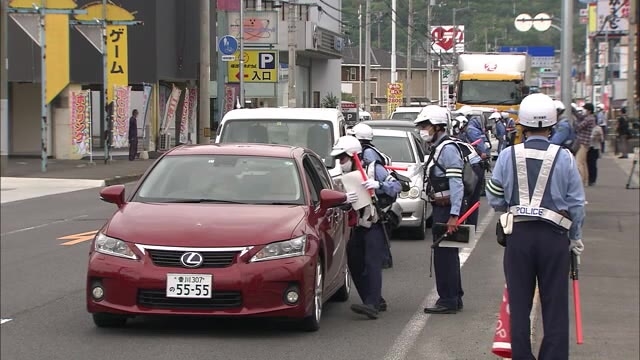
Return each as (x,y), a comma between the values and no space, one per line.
(4,96)
(291,83)
(205,69)
(379,21)
(429,61)
(407,86)
(631,60)
(394,13)
(360,55)
(566,46)
(241,60)
(367,56)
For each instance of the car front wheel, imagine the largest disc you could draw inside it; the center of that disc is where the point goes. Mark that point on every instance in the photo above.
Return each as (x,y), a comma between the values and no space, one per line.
(312,322)
(343,293)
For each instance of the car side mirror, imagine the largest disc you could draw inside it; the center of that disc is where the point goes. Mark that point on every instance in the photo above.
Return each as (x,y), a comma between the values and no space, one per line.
(113,194)
(331,198)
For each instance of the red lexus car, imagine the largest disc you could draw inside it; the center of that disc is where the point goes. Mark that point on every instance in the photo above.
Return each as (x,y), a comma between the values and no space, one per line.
(222,230)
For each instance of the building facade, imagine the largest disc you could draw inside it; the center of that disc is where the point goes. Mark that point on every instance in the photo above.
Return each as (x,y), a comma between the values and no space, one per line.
(416,87)
(163,54)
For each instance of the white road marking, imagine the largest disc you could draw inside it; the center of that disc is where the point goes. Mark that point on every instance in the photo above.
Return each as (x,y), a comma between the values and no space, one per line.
(2,321)
(42,225)
(15,189)
(404,342)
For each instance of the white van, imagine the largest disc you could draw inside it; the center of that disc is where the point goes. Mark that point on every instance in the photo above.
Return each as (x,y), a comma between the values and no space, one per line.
(313,128)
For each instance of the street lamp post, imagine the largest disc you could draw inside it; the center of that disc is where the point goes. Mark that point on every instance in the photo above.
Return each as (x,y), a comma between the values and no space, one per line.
(455,41)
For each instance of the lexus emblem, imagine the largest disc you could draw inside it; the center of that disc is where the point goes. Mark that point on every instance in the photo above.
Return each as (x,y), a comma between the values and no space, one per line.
(191,259)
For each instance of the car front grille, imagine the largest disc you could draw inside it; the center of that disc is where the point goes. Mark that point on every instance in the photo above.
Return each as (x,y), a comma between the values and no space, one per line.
(211,259)
(157,299)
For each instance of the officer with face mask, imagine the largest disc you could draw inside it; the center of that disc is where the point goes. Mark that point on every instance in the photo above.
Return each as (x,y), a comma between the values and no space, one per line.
(538,185)
(446,191)
(366,250)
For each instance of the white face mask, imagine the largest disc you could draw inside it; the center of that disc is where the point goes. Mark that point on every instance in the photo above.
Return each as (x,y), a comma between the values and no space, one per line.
(425,135)
(346,167)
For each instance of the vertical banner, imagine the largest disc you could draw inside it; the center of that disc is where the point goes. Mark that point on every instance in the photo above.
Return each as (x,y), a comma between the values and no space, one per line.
(121,116)
(170,109)
(146,100)
(56,54)
(184,119)
(193,115)
(117,58)
(80,105)
(230,93)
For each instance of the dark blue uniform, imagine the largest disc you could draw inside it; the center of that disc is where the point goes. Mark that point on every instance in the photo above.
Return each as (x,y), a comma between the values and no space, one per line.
(446,194)
(548,212)
(367,250)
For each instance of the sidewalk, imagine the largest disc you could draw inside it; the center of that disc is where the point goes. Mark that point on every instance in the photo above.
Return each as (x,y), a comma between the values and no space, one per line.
(610,269)
(117,171)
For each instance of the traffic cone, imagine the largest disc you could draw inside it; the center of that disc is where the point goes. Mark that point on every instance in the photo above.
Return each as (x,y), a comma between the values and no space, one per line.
(502,338)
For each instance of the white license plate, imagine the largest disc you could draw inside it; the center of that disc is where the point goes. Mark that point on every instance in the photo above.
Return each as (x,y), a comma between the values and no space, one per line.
(189,285)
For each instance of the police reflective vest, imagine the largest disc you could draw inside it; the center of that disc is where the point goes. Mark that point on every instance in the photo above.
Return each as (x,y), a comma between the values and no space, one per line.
(439,184)
(530,207)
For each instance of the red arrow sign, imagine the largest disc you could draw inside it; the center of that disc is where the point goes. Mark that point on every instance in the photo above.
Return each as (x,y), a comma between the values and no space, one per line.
(238,75)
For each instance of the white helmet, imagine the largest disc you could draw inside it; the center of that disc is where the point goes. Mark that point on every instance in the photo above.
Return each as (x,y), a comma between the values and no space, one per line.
(434,114)
(362,132)
(495,116)
(600,106)
(465,110)
(559,105)
(505,115)
(537,111)
(346,144)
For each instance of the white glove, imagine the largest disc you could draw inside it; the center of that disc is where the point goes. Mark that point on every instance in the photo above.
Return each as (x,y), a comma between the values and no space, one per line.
(576,246)
(352,197)
(371,184)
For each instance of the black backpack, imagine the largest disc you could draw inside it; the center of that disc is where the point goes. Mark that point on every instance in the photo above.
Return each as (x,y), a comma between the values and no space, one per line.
(469,177)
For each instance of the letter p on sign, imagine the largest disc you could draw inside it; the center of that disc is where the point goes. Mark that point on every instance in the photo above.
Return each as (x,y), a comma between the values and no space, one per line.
(266,60)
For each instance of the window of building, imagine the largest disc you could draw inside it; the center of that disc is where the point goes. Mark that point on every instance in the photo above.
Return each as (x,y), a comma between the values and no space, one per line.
(352,74)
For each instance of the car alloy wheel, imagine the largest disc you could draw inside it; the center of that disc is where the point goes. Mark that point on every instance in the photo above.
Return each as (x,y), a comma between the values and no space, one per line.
(312,322)
(343,293)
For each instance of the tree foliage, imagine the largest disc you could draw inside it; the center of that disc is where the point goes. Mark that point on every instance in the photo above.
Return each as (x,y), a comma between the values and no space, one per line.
(494,16)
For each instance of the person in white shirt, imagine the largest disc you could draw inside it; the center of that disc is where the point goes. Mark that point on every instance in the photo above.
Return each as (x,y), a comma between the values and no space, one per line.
(597,138)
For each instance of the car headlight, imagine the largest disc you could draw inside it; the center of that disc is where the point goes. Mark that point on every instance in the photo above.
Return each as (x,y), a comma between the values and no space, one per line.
(282,249)
(413,193)
(114,247)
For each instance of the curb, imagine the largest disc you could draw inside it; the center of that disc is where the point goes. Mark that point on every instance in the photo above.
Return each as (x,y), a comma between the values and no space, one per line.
(119,180)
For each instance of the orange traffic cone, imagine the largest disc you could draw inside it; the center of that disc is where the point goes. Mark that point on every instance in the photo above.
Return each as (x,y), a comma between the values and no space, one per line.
(502,338)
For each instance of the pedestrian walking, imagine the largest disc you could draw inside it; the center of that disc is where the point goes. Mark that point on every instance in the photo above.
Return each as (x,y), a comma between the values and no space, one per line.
(601,121)
(583,127)
(623,134)
(133,135)
(537,184)
(594,154)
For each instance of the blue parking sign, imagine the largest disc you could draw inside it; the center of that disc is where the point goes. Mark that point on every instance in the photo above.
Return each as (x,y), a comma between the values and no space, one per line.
(228,45)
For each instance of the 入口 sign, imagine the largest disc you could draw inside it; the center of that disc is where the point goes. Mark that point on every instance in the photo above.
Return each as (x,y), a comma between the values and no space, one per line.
(260,66)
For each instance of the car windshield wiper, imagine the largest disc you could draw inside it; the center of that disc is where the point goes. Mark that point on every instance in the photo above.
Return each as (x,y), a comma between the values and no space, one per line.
(200,201)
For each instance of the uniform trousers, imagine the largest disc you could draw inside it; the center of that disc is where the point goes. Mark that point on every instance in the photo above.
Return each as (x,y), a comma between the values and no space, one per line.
(538,250)
(446,264)
(366,251)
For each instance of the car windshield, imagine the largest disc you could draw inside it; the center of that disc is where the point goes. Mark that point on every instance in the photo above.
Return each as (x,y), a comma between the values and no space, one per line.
(316,135)
(224,179)
(405,115)
(481,92)
(396,147)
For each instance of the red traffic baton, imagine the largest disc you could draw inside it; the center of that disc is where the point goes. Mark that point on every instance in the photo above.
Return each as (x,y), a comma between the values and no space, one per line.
(356,160)
(575,262)
(397,168)
(461,219)
(476,142)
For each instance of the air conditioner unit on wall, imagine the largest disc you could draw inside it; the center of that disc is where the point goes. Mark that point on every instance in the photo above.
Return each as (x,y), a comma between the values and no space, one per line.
(165,141)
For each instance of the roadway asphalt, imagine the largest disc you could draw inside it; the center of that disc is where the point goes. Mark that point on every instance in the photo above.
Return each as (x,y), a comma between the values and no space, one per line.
(43,284)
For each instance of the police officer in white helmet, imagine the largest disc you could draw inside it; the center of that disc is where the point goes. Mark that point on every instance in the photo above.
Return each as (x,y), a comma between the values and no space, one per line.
(366,250)
(445,189)
(543,197)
